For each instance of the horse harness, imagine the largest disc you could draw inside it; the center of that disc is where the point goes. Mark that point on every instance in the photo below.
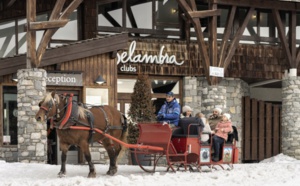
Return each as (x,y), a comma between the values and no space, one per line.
(70,118)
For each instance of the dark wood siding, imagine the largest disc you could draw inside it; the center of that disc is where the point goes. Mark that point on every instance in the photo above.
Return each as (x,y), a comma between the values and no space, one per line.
(249,61)
(94,66)
(261,130)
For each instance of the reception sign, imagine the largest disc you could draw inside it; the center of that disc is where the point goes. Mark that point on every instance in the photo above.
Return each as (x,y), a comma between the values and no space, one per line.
(64,79)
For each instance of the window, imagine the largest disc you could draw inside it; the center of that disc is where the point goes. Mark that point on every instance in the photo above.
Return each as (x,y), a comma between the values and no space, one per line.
(13,35)
(10,115)
(96,96)
(147,15)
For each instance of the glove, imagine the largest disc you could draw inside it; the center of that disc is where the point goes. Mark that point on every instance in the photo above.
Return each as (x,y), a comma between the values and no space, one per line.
(160,116)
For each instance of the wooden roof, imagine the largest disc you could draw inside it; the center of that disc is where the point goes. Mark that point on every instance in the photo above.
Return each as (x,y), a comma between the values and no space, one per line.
(68,52)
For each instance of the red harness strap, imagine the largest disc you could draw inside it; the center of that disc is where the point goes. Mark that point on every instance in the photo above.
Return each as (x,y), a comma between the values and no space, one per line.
(44,108)
(68,112)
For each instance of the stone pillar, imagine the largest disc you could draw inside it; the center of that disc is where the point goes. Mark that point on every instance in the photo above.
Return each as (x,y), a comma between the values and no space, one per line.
(227,95)
(32,135)
(190,94)
(291,116)
(212,96)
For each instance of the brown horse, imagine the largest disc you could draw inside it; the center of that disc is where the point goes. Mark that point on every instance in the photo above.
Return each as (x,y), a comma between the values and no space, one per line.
(65,114)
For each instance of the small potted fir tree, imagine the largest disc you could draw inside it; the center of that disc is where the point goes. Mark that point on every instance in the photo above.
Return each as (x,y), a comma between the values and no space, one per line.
(141,109)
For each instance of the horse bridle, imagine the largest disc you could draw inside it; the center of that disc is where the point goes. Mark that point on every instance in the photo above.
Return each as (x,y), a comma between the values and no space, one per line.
(47,110)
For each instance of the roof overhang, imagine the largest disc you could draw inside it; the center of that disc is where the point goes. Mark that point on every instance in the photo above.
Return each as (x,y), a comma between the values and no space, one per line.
(68,52)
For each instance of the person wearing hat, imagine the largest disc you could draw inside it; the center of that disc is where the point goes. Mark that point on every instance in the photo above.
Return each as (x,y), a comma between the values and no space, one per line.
(186,112)
(170,111)
(215,118)
(221,134)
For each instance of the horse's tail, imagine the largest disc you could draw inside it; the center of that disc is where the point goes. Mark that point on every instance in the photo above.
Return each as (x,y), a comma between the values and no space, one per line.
(124,134)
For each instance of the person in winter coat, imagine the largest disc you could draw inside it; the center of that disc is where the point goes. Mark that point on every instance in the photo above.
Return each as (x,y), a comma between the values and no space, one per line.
(215,118)
(206,130)
(186,112)
(170,111)
(221,134)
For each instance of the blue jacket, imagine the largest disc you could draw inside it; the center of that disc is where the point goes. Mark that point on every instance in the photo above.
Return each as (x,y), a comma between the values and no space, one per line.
(170,112)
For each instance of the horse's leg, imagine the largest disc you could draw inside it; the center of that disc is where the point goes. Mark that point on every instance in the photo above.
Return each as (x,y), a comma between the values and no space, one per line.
(64,149)
(113,152)
(87,155)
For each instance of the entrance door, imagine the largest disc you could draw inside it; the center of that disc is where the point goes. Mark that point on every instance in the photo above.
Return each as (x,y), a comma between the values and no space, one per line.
(53,140)
(124,102)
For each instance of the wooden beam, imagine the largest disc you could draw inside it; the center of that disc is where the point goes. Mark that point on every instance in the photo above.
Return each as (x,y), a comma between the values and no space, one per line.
(187,30)
(282,37)
(200,38)
(50,32)
(292,37)
(265,4)
(213,45)
(131,19)
(70,9)
(47,24)
(31,35)
(10,3)
(68,53)
(203,49)
(184,6)
(227,31)
(124,12)
(236,39)
(193,5)
(204,13)
(57,10)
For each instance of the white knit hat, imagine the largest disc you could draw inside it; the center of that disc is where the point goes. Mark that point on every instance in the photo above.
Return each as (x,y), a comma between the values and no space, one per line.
(227,116)
(218,109)
(186,108)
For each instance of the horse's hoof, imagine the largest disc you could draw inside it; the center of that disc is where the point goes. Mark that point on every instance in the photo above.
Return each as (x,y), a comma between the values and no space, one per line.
(92,175)
(61,175)
(112,172)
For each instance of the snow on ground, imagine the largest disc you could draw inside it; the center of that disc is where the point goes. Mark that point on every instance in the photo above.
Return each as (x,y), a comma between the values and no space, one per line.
(276,171)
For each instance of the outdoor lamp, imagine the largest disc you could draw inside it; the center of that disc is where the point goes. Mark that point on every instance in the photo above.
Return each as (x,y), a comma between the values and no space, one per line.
(15,77)
(100,80)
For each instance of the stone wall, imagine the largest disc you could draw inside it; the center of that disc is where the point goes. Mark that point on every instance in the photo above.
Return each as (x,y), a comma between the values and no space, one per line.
(190,94)
(32,135)
(291,116)
(99,154)
(9,153)
(227,95)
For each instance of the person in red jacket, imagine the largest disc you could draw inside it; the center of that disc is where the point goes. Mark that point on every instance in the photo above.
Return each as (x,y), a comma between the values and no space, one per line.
(221,134)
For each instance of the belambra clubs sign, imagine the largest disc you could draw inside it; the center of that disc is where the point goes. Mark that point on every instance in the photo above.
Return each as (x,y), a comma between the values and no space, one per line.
(130,57)
(64,79)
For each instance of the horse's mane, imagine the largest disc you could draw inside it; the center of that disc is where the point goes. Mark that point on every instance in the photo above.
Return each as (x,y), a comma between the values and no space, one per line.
(81,109)
(49,98)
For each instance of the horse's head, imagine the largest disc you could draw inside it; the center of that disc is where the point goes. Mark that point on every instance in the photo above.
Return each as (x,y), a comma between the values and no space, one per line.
(49,106)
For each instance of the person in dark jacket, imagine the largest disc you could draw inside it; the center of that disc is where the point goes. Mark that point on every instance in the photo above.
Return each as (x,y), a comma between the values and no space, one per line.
(170,111)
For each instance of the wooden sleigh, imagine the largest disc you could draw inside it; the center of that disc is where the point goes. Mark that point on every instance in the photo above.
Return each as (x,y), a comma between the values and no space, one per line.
(181,151)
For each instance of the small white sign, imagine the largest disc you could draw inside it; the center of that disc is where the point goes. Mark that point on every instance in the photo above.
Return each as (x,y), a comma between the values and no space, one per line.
(93,100)
(216,71)
(6,139)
